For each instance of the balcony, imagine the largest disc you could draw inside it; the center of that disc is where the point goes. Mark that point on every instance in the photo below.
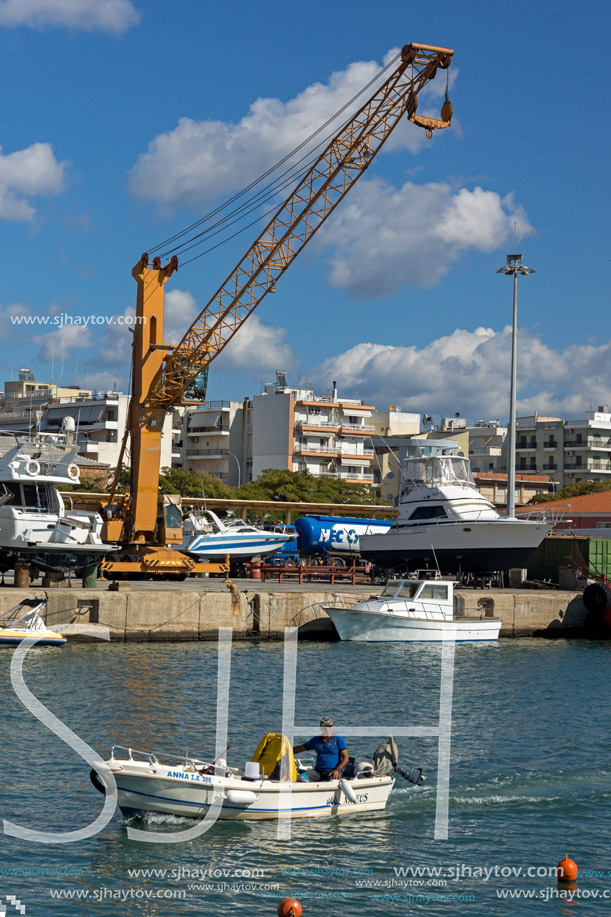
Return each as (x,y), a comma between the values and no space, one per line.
(347,476)
(526,444)
(196,431)
(358,427)
(302,448)
(354,451)
(551,444)
(206,453)
(588,466)
(314,421)
(594,442)
(551,466)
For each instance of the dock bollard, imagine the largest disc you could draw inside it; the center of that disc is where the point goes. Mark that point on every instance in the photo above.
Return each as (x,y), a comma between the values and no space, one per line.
(289,907)
(22,576)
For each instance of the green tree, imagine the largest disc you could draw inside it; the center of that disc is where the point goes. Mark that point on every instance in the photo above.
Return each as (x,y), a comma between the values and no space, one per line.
(190,484)
(573,490)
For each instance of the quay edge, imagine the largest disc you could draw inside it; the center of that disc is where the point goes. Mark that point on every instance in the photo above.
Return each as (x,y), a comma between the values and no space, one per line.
(179,614)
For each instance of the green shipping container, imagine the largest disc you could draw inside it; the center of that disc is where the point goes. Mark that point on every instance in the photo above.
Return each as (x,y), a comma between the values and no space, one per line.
(557,551)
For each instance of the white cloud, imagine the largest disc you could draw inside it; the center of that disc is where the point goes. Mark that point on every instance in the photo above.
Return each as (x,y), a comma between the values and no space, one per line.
(257,348)
(204,159)
(27,173)
(385,237)
(180,312)
(115,16)
(59,345)
(468,371)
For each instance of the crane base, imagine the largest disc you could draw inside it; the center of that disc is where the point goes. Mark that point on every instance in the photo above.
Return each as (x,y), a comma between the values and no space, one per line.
(150,562)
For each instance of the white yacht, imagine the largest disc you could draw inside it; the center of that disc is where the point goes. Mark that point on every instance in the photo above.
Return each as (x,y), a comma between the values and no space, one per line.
(36,526)
(207,537)
(413,610)
(444,522)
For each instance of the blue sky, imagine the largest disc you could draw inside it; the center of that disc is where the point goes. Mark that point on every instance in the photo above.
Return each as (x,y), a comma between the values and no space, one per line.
(125,120)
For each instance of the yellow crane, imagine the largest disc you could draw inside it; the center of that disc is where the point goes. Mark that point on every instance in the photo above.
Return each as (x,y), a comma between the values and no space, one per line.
(144,525)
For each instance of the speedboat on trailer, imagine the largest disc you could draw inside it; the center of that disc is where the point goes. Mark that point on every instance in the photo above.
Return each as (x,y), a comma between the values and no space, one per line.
(206,537)
(413,610)
(268,787)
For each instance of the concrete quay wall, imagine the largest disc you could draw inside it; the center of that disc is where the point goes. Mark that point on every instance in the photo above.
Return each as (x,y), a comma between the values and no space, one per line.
(155,615)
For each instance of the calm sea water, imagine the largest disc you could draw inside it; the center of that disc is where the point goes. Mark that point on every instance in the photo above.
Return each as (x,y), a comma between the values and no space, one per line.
(530,780)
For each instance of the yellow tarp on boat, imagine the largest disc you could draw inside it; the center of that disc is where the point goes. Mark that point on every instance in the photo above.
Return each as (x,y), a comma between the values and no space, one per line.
(275,756)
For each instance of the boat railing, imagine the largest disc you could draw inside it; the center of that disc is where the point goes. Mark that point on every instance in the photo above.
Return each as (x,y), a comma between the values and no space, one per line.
(155,757)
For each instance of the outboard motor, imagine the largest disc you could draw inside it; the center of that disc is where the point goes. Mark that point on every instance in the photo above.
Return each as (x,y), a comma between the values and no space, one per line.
(385,760)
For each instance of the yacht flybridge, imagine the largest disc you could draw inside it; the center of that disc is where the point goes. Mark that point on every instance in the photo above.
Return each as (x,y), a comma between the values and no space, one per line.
(36,526)
(445,522)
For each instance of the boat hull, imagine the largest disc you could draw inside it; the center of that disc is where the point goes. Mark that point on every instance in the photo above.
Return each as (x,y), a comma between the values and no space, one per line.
(205,548)
(373,627)
(53,557)
(468,547)
(11,638)
(190,795)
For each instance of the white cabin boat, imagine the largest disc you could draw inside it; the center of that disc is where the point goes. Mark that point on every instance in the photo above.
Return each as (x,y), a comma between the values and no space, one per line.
(445,523)
(413,610)
(187,787)
(206,537)
(36,526)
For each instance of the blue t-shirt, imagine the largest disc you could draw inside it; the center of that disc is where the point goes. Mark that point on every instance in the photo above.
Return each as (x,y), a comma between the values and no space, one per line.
(328,753)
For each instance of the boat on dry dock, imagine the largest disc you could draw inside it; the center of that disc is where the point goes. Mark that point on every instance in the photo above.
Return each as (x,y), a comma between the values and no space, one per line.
(207,537)
(36,525)
(445,523)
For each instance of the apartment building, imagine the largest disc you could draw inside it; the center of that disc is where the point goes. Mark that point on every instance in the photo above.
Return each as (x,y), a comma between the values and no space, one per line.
(327,435)
(24,400)
(99,419)
(215,441)
(568,450)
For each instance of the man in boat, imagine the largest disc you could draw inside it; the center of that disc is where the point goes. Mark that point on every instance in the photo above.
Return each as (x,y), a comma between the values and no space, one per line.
(331,752)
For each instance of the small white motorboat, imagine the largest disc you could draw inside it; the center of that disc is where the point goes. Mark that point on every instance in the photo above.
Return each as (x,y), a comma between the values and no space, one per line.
(207,537)
(25,620)
(413,609)
(267,788)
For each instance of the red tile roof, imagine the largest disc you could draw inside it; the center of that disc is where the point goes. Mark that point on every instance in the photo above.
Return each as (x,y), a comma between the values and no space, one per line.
(589,503)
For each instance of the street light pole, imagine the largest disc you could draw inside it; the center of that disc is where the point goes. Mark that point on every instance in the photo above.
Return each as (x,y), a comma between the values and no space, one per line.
(238,464)
(514,266)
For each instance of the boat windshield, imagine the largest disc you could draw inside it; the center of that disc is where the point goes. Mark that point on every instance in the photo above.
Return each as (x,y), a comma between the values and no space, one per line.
(438,470)
(404,589)
(391,587)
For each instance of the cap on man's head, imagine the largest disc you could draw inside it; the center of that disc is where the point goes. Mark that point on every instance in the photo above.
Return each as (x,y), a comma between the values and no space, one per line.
(326,721)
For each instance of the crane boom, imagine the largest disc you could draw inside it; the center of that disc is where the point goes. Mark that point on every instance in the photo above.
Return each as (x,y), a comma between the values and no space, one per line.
(316,196)
(162,374)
